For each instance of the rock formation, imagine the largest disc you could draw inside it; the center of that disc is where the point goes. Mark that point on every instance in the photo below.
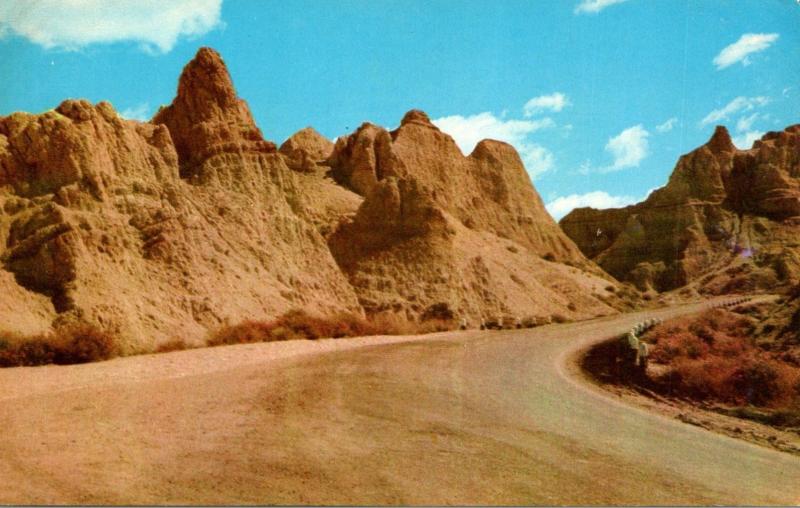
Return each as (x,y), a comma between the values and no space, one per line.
(726,221)
(404,253)
(157,230)
(487,191)
(306,152)
(438,228)
(169,228)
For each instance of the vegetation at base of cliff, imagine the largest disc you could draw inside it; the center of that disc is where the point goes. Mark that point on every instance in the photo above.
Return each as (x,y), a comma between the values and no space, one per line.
(299,324)
(79,343)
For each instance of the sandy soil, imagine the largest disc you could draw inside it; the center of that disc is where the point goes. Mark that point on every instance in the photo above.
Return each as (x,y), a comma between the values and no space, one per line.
(457,418)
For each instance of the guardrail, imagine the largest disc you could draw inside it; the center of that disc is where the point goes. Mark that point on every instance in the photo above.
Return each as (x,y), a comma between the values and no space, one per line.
(638,350)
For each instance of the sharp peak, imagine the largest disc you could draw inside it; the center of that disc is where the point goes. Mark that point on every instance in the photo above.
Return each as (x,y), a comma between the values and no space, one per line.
(721,140)
(207,71)
(207,53)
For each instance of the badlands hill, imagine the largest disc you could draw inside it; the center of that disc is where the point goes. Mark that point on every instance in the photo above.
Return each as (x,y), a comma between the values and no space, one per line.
(169,228)
(728,220)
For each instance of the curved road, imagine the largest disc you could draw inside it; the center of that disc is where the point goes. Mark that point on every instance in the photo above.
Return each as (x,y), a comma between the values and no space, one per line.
(457,418)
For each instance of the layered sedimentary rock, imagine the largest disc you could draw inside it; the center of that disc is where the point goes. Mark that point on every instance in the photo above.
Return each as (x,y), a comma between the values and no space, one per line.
(157,230)
(166,229)
(489,190)
(404,253)
(306,152)
(727,220)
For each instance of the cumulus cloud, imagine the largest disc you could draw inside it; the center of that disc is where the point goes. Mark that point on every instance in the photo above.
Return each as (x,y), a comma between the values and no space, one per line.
(737,105)
(553,102)
(667,126)
(628,148)
(155,24)
(468,131)
(740,50)
(595,6)
(139,112)
(561,206)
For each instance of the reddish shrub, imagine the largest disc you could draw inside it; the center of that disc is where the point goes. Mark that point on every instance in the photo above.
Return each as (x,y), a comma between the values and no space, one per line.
(172,345)
(243,333)
(714,358)
(83,343)
(298,324)
(79,343)
(755,381)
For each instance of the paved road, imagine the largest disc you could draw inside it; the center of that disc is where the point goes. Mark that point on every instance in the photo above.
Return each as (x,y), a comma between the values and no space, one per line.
(464,418)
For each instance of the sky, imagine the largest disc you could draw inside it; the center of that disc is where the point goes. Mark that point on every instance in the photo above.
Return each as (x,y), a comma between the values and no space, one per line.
(600,97)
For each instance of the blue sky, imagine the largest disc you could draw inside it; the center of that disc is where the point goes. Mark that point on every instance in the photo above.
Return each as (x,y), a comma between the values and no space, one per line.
(599,96)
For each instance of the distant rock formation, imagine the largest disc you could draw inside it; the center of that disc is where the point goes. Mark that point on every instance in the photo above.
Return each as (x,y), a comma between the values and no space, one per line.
(726,221)
(487,191)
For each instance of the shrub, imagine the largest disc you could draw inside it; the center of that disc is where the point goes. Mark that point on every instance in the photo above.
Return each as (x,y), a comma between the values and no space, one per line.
(79,343)
(298,324)
(83,343)
(33,352)
(714,358)
(756,382)
(243,333)
(559,318)
(172,345)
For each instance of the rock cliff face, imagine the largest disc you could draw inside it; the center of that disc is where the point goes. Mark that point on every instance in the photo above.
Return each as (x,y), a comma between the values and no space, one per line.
(157,230)
(168,228)
(440,228)
(404,253)
(487,191)
(306,152)
(727,220)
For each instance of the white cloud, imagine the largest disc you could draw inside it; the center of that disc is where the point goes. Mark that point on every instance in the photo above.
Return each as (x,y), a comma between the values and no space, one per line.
(741,49)
(739,104)
(745,140)
(553,102)
(594,6)
(628,148)
(73,24)
(139,112)
(561,206)
(537,159)
(667,126)
(746,122)
(468,131)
